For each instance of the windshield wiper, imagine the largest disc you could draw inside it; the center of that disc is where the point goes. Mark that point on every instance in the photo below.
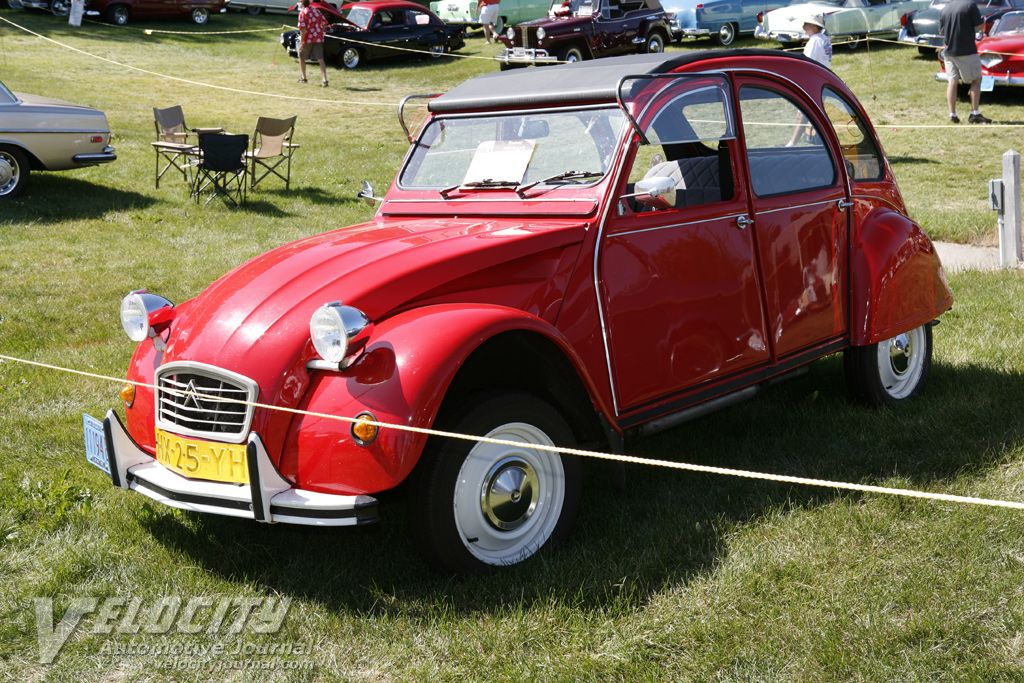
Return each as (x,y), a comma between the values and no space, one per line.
(486,182)
(566,175)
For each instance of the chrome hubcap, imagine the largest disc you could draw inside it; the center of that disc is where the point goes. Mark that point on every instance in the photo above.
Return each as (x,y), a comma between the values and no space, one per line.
(508,496)
(901,350)
(8,174)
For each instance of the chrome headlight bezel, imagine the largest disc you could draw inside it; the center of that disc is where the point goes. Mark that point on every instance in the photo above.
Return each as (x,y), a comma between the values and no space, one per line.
(144,315)
(990,59)
(333,327)
(510,33)
(541,33)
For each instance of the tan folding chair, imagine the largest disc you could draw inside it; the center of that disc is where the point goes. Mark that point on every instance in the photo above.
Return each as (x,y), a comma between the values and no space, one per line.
(172,145)
(272,148)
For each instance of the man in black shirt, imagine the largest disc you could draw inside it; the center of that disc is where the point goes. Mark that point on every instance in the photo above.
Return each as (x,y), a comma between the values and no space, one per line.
(958,21)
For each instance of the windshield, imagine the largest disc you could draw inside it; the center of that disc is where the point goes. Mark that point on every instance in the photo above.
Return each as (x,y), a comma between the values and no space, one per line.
(1011,22)
(6,96)
(360,16)
(491,150)
(832,3)
(581,7)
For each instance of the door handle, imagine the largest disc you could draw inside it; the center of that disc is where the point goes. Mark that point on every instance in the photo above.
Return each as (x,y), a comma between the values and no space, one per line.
(843,204)
(744,222)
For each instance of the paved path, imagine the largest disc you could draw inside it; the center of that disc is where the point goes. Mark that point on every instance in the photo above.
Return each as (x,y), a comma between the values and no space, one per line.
(964,257)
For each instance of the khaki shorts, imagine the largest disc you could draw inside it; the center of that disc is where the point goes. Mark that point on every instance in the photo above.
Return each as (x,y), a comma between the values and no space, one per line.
(965,69)
(489,14)
(315,51)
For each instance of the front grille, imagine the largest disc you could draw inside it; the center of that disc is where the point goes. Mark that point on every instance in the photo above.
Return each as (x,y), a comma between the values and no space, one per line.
(526,36)
(203,401)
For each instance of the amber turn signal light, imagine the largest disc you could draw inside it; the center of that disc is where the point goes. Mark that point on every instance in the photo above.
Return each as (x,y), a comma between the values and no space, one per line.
(128,395)
(363,432)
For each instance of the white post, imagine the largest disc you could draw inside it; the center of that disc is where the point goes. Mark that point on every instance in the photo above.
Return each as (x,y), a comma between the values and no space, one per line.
(1010,254)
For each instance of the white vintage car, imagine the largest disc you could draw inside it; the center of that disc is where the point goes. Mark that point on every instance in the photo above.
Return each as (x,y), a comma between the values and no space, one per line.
(851,20)
(42,134)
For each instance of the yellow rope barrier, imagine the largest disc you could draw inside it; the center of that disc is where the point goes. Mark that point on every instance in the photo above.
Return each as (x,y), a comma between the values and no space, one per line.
(704,469)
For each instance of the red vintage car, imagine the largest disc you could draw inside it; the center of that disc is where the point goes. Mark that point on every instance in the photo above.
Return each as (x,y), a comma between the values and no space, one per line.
(121,11)
(1002,52)
(585,254)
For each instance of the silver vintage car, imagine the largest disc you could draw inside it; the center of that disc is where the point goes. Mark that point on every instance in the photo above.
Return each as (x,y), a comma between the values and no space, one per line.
(42,134)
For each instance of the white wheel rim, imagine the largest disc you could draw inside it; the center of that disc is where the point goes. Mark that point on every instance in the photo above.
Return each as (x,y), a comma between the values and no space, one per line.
(901,362)
(485,496)
(9,173)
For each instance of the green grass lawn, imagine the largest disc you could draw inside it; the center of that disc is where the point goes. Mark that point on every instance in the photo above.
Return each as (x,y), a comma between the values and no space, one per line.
(685,577)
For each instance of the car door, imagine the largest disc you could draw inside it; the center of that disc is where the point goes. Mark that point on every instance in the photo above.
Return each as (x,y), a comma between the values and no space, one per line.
(423,32)
(613,29)
(799,200)
(681,302)
(388,30)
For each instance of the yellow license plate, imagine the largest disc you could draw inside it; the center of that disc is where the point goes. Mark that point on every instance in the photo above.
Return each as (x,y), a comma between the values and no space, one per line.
(202,459)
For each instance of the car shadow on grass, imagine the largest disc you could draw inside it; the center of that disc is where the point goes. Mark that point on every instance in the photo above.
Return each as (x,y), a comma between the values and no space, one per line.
(668,529)
(59,197)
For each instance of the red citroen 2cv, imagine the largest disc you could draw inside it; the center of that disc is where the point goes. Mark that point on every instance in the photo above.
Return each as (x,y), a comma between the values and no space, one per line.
(581,254)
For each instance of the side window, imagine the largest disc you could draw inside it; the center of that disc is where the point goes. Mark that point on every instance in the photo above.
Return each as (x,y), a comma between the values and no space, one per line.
(785,152)
(417,18)
(689,136)
(863,160)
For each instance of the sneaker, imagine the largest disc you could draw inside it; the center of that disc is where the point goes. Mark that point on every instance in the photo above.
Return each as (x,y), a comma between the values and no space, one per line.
(953,118)
(978,118)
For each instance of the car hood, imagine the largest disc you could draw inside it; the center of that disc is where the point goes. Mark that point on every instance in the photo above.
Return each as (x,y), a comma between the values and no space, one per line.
(46,114)
(791,19)
(255,319)
(1006,45)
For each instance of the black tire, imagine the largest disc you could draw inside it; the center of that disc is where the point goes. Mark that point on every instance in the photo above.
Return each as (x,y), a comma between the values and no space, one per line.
(350,56)
(253,10)
(892,371)
(726,34)
(476,506)
(926,50)
(60,8)
(655,43)
(14,171)
(570,54)
(118,14)
(200,15)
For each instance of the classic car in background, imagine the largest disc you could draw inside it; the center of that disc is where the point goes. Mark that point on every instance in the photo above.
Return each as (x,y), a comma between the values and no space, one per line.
(254,7)
(510,12)
(59,8)
(850,21)
(120,12)
(582,255)
(586,29)
(381,29)
(921,27)
(722,20)
(1001,52)
(43,134)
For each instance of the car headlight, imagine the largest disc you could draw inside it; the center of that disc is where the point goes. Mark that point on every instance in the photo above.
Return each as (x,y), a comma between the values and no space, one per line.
(333,327)
(541,33)
(144,315)
(990,59)
(510,33)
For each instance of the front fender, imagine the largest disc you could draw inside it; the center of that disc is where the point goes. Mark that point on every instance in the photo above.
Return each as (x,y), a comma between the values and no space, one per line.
(897,281)
(401,378)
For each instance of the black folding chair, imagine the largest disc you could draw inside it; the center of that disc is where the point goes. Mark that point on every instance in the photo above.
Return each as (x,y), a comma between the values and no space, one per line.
(220,169)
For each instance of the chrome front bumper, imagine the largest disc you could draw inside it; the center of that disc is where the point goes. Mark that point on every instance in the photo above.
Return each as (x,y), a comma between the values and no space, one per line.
(268,497)
(522,55)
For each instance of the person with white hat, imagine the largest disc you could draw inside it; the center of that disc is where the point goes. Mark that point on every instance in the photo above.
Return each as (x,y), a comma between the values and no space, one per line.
(818,47)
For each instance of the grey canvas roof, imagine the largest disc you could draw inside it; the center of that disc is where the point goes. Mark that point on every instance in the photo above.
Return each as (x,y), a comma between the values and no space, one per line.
(587,81)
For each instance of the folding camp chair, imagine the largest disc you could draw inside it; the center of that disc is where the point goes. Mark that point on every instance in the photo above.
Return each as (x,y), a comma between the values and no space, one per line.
(220,167)
(173,148)
(271,149)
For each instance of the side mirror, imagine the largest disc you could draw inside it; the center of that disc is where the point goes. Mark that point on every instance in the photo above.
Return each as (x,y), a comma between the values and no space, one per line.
(366,194)
(658,192)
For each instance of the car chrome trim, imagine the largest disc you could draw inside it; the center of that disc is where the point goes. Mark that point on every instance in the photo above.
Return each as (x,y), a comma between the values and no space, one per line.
(268,497)
(790,207)
(177,406)
(401,111)
(727,217)
(98,158)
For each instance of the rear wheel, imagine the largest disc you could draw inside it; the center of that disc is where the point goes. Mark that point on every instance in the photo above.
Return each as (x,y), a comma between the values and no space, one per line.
(60,8)
(200,15)
(474,506)
(853,42)
(655,43)
(891,371)
(437,50)
(726,34)
(253,10)
(14,172)
(118,14)
(350,57)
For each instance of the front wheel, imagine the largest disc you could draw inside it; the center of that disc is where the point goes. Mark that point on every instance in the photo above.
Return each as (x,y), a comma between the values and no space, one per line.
(726,34)
(570,54)
(14,169)
(200,15)
(891,371)
(253,10)
(655,44)
(474,506)
(60,8)
(437,50)
(350,57)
